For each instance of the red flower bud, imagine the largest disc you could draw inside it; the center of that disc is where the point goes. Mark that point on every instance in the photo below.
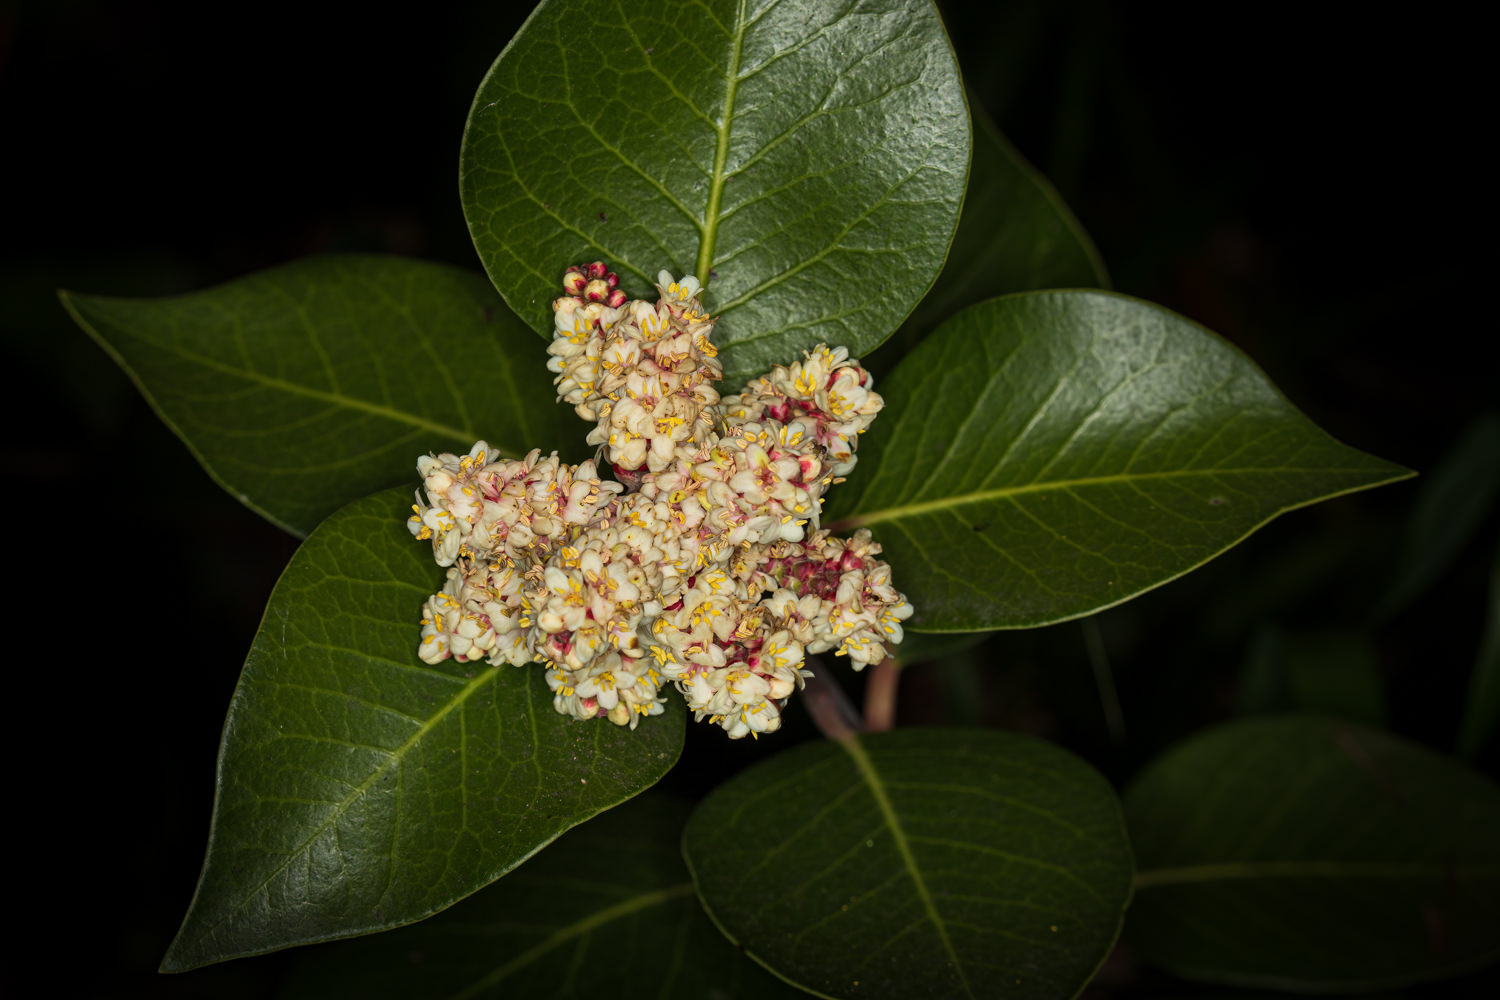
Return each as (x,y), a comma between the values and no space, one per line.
(574,281)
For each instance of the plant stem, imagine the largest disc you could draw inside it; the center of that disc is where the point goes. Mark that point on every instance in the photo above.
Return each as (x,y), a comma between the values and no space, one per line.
(831,710)
(880,695)
(1114,717)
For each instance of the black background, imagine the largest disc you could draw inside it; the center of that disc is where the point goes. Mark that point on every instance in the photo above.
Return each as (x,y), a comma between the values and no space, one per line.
(1307,185)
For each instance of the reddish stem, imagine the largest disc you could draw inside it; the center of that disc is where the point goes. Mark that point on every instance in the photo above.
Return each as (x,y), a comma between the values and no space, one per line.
(880,695)
(831,710)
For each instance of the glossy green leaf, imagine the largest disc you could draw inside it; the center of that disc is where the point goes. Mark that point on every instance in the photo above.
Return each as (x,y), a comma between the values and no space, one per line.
(358,787)
(917,863)
(805,159)
(1016,235)
(305,386)
(1046,455)
(607,910)
(1481,716)
(1313,855)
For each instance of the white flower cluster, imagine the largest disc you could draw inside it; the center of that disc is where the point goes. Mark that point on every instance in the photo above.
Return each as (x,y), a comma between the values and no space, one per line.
(694,565)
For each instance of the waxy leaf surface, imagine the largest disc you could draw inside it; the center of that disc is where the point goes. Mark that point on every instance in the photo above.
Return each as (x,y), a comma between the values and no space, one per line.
(917,863)
(1313,855)
(806,160)
(1016,235)
(358,787)
(1046,455)
(606,910)
(305,386)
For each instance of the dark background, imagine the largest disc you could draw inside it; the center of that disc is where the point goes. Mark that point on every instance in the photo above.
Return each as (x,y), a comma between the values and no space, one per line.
(1308,186)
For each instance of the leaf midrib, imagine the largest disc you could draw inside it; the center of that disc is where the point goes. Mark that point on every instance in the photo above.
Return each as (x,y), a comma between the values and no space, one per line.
(721,151)
(578,928)
(397,756)
(271,382)
(336,398)
(1007,492)
(1226,871)
(872,780)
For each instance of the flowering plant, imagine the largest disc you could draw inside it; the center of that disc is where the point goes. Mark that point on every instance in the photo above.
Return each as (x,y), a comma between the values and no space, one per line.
(702,574)
(1040,455)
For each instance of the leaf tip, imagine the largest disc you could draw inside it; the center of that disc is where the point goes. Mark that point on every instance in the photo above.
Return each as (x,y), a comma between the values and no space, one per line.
(173,961)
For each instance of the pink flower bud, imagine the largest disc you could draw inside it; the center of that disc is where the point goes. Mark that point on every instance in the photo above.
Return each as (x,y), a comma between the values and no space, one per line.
(574,281)
(596,290)
(596,269)
(617,298)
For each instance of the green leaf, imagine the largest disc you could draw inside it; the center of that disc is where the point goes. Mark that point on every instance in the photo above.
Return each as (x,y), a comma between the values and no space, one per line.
(358,787)
(1046,455)
(1482,706)
(305,386)
(1319,671)
(607,910)
(924,647)
(1450,507)
(1016,235)
(1188,992)
(1313,855)
(916,863)
(805,159)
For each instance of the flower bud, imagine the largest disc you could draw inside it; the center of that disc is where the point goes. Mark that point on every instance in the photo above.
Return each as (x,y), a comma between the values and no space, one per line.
(574,281)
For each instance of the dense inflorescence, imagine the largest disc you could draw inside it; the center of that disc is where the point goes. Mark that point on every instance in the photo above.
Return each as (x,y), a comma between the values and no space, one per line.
(700,563)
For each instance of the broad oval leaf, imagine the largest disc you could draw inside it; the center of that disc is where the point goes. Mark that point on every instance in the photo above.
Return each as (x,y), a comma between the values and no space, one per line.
(606,910)
(1016,234)
(1046,455)
(806,159)
(359,788)
(305,386)
(1313,855)
(917,863)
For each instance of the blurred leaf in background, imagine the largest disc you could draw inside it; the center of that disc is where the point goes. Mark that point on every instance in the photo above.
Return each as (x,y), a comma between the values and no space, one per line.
(606,910)
(1481,716)
(1323,671)
(1312,855)
(1452,502)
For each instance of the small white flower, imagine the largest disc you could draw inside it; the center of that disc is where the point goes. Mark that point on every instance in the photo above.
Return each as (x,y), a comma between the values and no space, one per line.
(703,566)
